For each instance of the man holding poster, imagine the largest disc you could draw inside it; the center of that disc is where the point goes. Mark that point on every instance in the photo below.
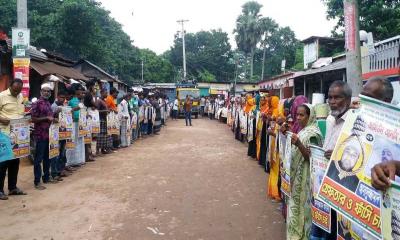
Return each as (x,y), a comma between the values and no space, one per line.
(339,99)
(360,144)
(11,107)
(42,116)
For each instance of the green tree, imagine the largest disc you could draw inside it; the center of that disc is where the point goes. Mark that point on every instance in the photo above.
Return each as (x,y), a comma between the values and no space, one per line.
(381,17)
(268,27)
(207,55)
(248,30)
(156,68)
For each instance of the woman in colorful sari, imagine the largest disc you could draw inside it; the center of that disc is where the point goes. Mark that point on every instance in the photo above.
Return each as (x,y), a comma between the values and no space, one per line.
(273,190)
(299,206)
(261,130)
(249,110)
(299,100)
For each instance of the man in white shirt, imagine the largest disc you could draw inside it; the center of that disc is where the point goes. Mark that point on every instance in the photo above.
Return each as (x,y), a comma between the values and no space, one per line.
(202,105)
(123,111)
(339,99)
(175,108)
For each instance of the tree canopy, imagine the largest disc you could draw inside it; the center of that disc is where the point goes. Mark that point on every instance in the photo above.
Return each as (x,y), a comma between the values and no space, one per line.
(381,17)
(84,29)
(207,55)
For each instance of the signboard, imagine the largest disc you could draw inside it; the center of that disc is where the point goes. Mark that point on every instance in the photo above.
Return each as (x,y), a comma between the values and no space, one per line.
(21,71)
(350,25)
(20,42)
(54,148)
(20,137)
(287,159)
(390,210)
(310,53)
(321,213)
(66,123)
(369,136)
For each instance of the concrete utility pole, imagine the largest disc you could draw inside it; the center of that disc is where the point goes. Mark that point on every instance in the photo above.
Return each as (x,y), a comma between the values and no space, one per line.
(353,52)
(22,14)
(142,70)
(182,22)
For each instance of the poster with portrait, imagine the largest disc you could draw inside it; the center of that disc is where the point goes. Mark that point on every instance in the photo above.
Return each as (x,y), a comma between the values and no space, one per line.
(112,124)
(367,137)
(82,124)
(321,212)
(94,121)
(70,143)
(390,212)
(6,151)
(348,230)
(54,150)
(66,123)
(20,137)
(88,136)
(285,178)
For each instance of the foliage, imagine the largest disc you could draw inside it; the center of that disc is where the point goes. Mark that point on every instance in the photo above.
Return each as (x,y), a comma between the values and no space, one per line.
(207,55)
(381,17)
(84,29)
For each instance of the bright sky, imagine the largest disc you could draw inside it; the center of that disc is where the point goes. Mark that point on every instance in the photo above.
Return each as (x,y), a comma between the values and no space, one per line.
(152,23)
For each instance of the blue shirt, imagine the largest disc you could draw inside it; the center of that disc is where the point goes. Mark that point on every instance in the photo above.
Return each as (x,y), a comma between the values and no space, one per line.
(74,102)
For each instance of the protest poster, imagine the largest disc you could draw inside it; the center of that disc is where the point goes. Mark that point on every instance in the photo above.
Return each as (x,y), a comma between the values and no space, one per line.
(6,151)
(88,136)
(369,136)
(112,124)
(94,121)
(348,230)
(82,124)
(285,179)
(70,143)
(321,213)
(20,137)
(54,149)
(390,212)
(66,123)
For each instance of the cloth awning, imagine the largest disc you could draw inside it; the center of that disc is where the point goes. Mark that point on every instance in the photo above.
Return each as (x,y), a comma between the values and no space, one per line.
(45,68)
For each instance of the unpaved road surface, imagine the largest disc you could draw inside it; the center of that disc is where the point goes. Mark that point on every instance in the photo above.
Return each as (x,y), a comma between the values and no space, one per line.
(186,183)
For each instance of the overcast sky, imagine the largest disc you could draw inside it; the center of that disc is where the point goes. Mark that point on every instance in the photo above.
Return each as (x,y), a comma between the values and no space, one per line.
(152,23)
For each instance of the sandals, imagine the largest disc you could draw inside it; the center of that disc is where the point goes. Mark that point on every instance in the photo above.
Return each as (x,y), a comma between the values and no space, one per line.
(16,191)
(3,196)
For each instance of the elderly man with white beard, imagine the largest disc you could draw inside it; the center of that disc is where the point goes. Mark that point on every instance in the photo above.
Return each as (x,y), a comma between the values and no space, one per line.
(339,99)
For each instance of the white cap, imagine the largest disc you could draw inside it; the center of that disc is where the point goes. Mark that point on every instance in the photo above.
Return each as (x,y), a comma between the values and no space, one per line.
(47,85)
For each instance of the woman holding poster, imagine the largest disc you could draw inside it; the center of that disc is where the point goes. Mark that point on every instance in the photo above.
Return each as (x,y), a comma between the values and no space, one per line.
(299,207)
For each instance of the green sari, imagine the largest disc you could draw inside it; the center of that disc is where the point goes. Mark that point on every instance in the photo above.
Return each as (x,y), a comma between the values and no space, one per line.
(299,205)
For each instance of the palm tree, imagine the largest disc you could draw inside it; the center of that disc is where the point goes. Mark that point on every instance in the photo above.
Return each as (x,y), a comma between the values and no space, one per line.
(248,31)
(268,27)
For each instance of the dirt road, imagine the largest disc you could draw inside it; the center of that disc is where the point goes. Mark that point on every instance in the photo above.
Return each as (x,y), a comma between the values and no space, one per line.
(186,183)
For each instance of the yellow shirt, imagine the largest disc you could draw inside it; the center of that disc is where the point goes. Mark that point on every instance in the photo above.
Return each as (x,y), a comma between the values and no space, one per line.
(11,107)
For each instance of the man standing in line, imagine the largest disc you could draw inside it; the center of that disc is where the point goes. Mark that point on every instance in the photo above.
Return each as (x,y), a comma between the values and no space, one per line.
(11,107)
(42,117)
(111,102)
(188,110)
(58,164)
(202,105)
(175,108)
(339,99)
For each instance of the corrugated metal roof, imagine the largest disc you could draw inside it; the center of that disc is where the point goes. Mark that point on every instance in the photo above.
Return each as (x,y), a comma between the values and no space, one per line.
(45,68)
(331,67)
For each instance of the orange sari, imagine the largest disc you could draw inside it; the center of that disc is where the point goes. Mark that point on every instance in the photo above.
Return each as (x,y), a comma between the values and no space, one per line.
(272,185)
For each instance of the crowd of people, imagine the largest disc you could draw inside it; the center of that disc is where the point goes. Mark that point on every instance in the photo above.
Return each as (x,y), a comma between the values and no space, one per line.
(138,115)
(259,118)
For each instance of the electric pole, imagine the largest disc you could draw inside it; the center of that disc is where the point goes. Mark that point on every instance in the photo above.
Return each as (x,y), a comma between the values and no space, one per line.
(142,70)
(353,52)
(182,22)
(22,14)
